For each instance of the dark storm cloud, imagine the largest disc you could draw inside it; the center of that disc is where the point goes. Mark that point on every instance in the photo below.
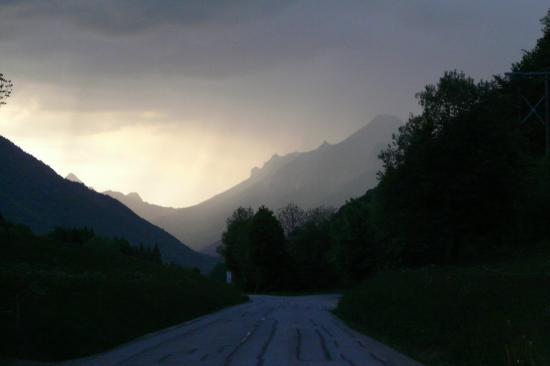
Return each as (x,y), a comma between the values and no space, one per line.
(123,17)
(253,64)
(209,39)
(219,38)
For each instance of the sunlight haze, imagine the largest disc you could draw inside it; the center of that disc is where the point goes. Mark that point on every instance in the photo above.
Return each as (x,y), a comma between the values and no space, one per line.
(181,104)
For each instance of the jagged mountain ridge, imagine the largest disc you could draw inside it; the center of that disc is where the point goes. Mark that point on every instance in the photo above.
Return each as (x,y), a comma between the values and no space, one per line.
(328,175)
(33,194)
(133,201)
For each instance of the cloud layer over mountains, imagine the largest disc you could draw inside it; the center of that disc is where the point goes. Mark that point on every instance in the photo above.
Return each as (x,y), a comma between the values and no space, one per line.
(175,80)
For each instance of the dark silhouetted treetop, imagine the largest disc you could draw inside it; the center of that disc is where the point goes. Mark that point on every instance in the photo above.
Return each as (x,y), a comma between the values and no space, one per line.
(291,217)
(537,59)
(454,95)
(6,87)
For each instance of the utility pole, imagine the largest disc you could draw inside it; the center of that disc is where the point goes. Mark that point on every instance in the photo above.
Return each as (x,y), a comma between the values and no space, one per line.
(547,98)
(533,108)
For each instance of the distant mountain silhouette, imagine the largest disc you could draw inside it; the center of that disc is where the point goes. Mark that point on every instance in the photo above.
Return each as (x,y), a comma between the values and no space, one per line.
(73,178)
(328,175)
(31,193)
(148,211)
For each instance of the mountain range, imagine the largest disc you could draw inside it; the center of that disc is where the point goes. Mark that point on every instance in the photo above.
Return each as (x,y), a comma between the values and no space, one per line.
(33,194)
(326,176)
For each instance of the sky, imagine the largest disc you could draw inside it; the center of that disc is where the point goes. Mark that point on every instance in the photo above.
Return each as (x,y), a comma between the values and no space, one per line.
(179,100)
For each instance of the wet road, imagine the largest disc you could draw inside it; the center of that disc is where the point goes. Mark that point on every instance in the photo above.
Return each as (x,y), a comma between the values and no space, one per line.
(267,331)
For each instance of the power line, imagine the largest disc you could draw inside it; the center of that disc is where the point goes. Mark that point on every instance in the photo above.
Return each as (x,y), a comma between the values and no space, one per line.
(534,108)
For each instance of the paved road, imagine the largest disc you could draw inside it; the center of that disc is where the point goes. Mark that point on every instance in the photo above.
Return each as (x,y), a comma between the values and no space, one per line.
(268,331)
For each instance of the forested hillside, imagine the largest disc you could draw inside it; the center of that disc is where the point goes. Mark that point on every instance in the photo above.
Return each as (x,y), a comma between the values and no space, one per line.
(31,193)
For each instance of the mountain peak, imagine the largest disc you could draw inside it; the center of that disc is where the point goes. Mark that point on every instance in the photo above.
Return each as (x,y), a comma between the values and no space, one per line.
(134,196)
(385,119)
(73,178)
(379,128)
(33,194)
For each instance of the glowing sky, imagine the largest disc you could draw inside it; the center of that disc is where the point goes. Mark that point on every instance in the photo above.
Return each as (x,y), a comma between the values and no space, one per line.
(178,100)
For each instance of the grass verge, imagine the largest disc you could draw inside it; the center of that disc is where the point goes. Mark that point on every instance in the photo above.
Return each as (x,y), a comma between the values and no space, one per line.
(475,316)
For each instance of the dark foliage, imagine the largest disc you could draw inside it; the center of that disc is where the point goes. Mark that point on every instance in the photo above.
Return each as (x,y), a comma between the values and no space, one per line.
(261,258)
(143,252)
(6,87)
(464,194)
(73,236)
(69,293)
(308,249)
(268,250)
(453,173)
(462,316)
(235,248)
(464,180)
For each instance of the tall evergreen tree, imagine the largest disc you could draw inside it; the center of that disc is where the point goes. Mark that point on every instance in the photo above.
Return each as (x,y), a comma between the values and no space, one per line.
(268,253)
(236,248)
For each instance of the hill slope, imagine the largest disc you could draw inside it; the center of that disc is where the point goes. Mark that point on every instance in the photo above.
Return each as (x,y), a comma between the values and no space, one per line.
(134,202)
(329,176)
(31,193)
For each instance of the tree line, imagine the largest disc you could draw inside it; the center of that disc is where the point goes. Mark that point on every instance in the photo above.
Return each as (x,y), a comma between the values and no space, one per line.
(269,251)
(462,182)
(70,293)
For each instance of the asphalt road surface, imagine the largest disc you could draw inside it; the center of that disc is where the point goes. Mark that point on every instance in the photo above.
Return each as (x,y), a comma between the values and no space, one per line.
(267,331)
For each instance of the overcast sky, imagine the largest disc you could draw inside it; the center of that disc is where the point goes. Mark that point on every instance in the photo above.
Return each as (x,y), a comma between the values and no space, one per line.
(178,100)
